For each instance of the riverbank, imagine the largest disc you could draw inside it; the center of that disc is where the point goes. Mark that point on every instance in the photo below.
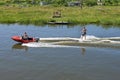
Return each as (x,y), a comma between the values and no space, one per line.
(104,15)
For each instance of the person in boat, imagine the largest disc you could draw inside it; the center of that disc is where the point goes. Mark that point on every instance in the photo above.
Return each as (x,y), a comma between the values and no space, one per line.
(84,32)
(25,36)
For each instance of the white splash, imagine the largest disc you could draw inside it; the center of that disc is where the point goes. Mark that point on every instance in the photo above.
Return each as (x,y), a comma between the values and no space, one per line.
(40,44)
(93,39)
(89,39)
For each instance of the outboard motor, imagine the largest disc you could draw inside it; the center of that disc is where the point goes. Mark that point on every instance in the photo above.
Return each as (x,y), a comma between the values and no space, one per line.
(37,39)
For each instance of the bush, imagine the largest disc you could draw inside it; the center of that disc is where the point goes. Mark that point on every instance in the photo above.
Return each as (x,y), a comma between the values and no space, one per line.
(91,2)
(2,3)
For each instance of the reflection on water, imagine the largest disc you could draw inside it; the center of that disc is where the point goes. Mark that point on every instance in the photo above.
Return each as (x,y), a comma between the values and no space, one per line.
(83,51)
(19,46)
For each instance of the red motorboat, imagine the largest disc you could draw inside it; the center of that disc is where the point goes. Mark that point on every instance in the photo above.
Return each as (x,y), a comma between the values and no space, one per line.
(22,40)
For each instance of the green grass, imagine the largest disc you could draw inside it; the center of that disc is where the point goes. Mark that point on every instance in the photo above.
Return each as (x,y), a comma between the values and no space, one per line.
(106,15)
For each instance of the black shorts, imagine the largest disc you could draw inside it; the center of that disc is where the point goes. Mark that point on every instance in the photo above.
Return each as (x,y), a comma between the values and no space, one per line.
(83,34)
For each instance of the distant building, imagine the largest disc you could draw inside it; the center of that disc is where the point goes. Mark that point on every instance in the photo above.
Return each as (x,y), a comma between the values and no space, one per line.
(43,3)
(77,3)
(99,2)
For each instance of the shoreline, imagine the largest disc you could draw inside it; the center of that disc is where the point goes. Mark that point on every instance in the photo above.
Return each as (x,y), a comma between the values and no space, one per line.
(37,15)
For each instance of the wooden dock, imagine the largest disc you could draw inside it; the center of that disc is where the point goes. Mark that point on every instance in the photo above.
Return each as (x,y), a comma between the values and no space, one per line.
(59,22)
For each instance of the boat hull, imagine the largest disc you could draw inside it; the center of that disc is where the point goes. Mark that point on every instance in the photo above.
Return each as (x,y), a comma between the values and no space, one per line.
(21,40)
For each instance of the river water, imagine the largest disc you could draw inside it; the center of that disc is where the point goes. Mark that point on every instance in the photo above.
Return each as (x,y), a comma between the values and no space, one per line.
(63,62)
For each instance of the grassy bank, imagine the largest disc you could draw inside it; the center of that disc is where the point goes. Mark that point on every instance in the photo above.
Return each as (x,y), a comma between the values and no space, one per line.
(106,15)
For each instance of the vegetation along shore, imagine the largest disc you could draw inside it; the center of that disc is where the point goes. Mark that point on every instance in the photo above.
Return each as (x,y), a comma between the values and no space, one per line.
(36,14)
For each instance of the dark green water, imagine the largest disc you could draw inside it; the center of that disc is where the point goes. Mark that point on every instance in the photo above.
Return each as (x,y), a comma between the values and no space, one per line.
(57,63)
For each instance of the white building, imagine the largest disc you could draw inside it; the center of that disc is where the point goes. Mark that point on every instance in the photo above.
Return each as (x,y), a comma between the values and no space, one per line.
(99,2)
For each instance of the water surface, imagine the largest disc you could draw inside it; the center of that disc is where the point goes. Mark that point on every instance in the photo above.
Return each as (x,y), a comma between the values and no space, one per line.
(57,63)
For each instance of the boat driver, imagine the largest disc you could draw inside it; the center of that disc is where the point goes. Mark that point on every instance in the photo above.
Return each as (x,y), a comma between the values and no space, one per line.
(25,36)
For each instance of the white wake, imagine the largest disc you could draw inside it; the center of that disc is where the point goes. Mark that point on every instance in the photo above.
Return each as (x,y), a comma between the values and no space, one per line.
(40,44)
(57,41)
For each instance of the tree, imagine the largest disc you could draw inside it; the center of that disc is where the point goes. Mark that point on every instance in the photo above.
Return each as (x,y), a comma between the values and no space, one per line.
(90,2)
